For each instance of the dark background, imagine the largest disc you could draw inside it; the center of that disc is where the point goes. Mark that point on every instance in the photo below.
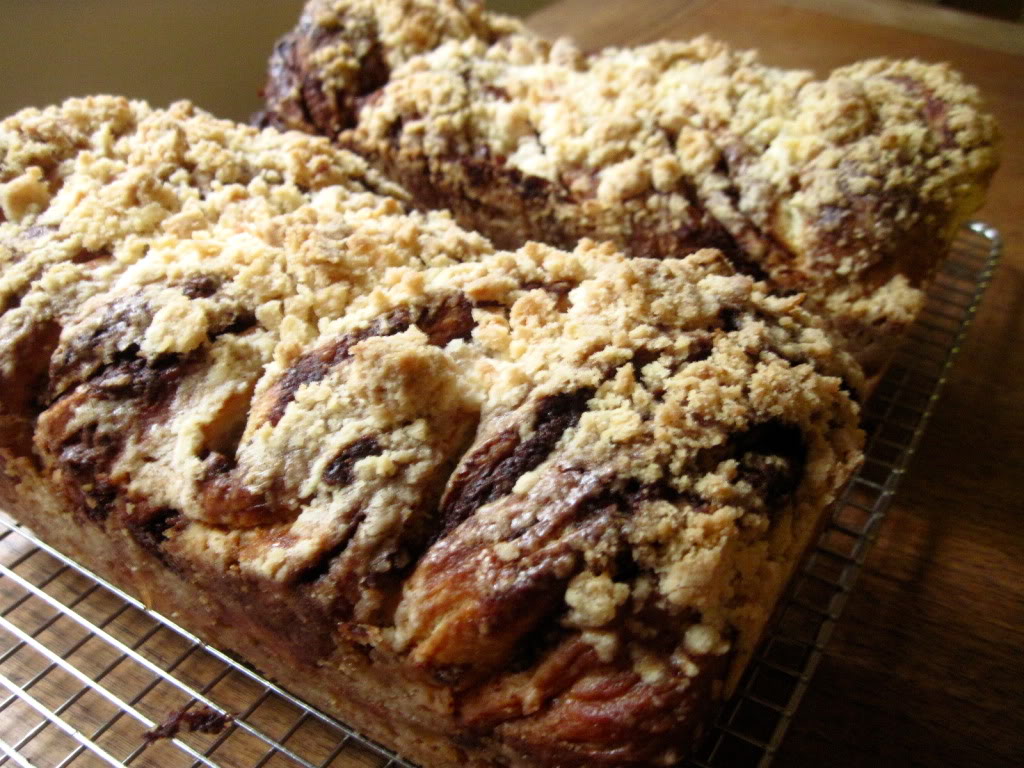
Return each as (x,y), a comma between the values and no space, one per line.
(212,52)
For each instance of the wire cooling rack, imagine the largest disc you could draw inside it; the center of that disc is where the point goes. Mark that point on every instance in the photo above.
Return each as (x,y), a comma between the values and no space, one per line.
(753,724)
(86,670)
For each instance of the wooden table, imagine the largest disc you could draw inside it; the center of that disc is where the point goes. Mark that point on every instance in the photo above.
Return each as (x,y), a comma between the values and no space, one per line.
(927,665)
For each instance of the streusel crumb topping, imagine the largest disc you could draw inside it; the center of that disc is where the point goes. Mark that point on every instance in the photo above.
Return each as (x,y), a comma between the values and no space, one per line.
(240,348)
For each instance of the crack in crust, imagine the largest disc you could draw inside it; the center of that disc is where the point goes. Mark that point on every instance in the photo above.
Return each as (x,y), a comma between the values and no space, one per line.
(492,470)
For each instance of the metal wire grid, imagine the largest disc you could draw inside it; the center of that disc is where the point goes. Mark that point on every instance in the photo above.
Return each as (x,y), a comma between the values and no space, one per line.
(87,669)
(752,725)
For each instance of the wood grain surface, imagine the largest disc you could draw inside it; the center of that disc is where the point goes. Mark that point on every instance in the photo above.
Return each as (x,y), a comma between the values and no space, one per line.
(927,665)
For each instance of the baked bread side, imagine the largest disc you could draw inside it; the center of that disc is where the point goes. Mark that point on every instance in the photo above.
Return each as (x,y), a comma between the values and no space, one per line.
(848,189)
(503,508)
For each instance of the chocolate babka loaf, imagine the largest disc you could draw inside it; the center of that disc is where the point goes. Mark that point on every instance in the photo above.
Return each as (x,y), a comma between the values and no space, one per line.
(493,507)
(848,189)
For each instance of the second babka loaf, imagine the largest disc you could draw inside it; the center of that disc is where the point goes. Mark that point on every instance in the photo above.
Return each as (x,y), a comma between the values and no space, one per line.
(848,188)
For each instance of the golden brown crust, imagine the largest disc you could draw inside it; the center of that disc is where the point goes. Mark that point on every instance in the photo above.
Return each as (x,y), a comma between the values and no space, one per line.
(547,497)
(848,188)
